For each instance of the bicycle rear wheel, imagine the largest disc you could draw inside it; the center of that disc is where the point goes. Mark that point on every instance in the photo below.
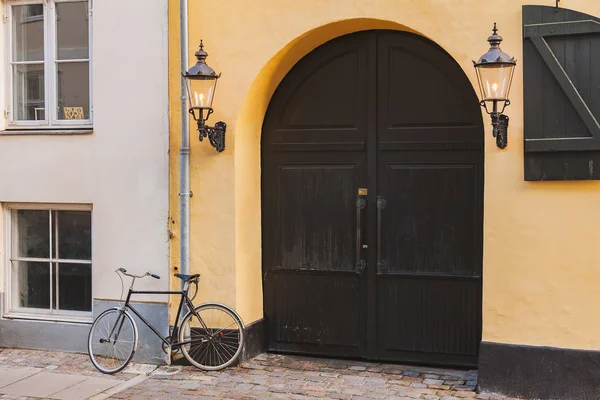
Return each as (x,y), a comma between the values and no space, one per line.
(216,338)
(112,341)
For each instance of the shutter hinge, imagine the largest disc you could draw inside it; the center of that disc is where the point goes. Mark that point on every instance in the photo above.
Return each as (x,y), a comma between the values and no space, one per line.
(4,19)
(6,112)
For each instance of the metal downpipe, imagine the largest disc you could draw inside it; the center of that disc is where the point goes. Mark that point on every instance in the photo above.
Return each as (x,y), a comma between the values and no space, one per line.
(184,151)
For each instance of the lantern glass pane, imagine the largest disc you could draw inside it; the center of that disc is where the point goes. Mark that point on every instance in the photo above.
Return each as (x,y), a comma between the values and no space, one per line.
(201,92)
(495,81)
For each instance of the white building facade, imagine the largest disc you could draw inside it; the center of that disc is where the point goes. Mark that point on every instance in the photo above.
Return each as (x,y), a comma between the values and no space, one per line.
(84,166)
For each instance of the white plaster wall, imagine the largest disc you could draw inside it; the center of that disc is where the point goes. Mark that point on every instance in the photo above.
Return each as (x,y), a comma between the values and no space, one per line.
(122,168)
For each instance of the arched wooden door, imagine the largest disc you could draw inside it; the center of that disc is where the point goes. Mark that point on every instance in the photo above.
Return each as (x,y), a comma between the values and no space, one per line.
(372,213)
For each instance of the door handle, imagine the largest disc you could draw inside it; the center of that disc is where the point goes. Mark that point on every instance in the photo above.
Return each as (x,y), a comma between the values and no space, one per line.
(361,264)
(381,264)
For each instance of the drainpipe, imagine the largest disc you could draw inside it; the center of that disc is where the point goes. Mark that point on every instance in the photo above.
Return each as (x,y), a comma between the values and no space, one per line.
(184,152)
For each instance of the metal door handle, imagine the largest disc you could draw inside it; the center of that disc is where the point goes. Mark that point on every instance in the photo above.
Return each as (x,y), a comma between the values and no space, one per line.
(381,264)
(361,264)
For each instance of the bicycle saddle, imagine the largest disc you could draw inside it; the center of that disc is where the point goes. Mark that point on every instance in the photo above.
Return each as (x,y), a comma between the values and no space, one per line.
(186,278)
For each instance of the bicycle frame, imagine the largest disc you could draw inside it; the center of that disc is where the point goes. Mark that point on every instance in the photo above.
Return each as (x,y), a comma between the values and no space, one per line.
(183,299)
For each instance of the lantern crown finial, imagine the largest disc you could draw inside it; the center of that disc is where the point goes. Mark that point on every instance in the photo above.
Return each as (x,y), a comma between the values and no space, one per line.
(495,55)
(495,39)
(201,70)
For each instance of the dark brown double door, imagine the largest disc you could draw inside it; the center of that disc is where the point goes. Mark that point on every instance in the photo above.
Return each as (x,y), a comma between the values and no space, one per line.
(372,193)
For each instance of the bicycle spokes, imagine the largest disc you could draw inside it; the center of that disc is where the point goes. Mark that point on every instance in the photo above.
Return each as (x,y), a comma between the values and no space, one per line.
(213,337)
(112,339)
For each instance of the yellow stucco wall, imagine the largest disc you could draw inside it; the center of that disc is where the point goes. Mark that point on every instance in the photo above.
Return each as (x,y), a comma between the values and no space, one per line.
(541,264)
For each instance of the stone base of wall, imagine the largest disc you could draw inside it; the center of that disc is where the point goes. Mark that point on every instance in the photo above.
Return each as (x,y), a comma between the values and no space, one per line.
(43,335)
(72,337)
(539,372)
(256,340)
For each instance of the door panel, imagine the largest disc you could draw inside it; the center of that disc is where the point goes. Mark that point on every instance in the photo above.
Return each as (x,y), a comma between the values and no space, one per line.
(314,161)
(316,226)
(430,319)
(392,113)
(429,224)
(430,180)
(302,317)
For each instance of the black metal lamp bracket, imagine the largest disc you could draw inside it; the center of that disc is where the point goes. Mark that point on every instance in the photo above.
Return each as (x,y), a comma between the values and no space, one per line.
(500,129)
(215,134)
(499,123)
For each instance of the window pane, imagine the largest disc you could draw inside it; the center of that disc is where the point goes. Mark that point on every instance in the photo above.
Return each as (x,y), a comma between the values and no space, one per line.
(31,233)
(75,287)
(73,90)
(32,284)
(72,30)
(28,33)
(28,91)
(74,234)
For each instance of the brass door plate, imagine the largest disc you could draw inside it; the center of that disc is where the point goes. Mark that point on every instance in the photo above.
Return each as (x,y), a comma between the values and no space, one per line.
(363,191)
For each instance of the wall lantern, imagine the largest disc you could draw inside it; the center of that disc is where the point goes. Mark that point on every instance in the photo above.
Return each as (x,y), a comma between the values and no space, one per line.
(201,82)
(494,73)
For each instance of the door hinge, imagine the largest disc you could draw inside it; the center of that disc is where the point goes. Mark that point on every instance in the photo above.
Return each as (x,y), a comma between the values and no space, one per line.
(6,112)
(5,19)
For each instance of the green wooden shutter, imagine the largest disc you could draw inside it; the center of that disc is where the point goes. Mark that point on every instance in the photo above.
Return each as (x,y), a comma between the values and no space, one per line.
(561,74)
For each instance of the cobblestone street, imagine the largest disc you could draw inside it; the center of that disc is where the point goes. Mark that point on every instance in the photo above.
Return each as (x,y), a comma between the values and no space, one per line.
(265,377)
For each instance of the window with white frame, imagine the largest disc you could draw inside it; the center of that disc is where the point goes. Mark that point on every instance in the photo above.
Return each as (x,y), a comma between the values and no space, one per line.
(49,43)
(50,261)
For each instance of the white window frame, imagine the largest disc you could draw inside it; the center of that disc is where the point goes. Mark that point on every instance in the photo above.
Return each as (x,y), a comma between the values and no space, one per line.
(51,120)
(11,309)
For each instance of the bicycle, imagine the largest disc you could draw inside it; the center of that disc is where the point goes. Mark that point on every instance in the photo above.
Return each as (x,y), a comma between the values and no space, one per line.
(205,339)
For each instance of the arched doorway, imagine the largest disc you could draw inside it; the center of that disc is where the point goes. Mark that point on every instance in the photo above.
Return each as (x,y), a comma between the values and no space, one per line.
(372,203)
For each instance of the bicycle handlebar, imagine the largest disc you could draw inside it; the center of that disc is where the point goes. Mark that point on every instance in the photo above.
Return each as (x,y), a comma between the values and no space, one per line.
(148,273)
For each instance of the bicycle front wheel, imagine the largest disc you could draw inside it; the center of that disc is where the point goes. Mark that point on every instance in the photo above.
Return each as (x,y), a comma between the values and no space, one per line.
(214,336)
(112,341)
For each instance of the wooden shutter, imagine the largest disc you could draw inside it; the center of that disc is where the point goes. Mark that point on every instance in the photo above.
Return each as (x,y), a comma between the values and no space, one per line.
(561,68)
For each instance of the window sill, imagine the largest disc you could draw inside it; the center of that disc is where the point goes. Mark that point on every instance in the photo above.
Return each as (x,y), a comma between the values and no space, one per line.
(35,132)
(49,318)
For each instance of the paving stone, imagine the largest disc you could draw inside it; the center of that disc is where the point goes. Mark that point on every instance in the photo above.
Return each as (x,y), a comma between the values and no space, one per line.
(167,370)
(411,373)
(43,384)
(85,389)
(10,375)
(357,368)
(139,369)
(441,387)
(465,394)
(431,381)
